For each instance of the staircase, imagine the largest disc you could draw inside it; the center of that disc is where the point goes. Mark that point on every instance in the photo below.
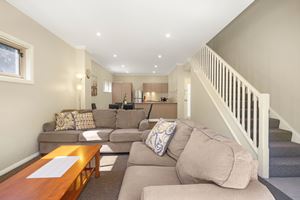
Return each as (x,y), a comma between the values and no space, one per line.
(284,154)
(248,109)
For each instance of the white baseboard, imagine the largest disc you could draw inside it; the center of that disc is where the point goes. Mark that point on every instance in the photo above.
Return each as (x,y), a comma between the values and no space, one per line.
(17,164)
(285,126)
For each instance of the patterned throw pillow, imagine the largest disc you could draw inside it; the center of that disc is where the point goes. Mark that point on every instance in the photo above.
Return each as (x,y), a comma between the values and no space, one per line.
(64,121)
(160,136)
(84,121)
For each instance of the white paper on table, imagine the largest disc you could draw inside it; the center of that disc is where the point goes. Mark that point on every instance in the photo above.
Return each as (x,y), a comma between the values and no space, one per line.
(55,168)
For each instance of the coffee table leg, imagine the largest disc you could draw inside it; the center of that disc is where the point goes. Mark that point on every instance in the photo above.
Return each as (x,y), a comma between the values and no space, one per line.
(97,160)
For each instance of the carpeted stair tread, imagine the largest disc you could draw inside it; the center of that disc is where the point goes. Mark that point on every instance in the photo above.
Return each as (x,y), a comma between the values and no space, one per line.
(281,149)
(274,123)
(285,166)
(280,135)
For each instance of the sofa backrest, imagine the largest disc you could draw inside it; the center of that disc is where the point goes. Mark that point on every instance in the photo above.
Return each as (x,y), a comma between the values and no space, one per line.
(79,111)
(105,118)
(129,118)
(211,157)
(182,134)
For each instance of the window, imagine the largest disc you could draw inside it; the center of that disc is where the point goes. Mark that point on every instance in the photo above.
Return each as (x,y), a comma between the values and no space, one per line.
(15,60)
(10,60)
(107,87)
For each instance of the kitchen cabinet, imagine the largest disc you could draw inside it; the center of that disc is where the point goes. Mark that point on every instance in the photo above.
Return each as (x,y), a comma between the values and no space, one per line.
(119,90)
(155,87)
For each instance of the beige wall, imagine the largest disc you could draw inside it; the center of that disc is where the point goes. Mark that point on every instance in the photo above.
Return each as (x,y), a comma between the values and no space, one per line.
(263,44)
(203,109)
(25,107)
(103,99)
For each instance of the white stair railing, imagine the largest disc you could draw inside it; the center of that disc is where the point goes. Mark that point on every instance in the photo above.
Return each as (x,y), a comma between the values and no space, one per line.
(248,107)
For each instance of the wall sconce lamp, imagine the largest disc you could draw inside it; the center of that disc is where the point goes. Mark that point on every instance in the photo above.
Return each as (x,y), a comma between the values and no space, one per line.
(79,87)
(79,76)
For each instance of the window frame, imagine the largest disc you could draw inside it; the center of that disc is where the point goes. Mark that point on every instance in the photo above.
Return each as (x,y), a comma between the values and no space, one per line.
(107,86)
(26,61)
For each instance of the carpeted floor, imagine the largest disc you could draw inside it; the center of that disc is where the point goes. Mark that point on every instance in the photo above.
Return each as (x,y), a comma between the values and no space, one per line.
(107,186)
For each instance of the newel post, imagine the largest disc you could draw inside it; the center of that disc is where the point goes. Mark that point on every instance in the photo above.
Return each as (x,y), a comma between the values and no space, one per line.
(263,147)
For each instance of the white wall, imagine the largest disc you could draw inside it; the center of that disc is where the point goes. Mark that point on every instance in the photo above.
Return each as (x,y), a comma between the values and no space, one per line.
(103,99)
(173,84)
(263,44)
(25,107)
(178,79)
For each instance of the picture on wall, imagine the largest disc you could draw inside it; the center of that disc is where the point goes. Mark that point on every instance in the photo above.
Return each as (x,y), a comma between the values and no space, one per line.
(94,89)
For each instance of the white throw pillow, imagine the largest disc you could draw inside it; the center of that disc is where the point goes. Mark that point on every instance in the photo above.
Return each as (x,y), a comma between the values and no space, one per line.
(160,136)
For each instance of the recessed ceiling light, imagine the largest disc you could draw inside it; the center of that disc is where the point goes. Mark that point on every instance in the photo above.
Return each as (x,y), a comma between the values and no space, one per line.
(155,66)
(159,56)
(115,55)
(153,72)
(168,35)
(123,66)
(98,34)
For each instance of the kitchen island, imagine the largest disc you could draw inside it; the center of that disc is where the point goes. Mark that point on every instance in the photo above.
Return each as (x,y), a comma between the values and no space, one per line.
(166,110)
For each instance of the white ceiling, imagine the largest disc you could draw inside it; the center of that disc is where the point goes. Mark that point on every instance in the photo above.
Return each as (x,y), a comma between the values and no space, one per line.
(135,30)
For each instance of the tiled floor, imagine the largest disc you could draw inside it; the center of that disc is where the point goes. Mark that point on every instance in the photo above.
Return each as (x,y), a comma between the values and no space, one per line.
(289,186)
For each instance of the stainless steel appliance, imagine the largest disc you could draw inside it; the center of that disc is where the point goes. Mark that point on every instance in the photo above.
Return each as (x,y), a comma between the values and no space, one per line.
(138,96)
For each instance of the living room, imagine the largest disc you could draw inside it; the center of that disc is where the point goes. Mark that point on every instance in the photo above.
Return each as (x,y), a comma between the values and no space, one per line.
(133,99)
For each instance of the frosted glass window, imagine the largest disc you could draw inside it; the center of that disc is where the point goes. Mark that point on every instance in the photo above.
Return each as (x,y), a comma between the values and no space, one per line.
(10,59)
(107,87)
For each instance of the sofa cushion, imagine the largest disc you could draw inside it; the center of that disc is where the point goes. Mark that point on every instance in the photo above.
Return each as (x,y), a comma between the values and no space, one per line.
(160,136)
(102,133)
(129,118)
(180,138)
(140,154)
(64,121)
(126,135)
(138,177)
(254,191)
(59,136)
(105,118)
(84,121)
(214,158)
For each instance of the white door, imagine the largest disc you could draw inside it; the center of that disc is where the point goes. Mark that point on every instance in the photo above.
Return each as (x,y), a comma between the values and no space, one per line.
(187,101)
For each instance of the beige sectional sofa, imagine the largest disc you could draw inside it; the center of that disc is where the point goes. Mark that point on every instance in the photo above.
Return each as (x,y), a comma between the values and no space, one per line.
(117,130)
(151,177)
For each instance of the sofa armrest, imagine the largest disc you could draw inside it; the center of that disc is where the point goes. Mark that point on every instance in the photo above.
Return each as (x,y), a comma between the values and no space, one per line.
(49,126)
(255,190)
(144,125)
(145,135)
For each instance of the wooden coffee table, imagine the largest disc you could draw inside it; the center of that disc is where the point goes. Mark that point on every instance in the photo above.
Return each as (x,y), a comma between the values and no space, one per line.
(68,186)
